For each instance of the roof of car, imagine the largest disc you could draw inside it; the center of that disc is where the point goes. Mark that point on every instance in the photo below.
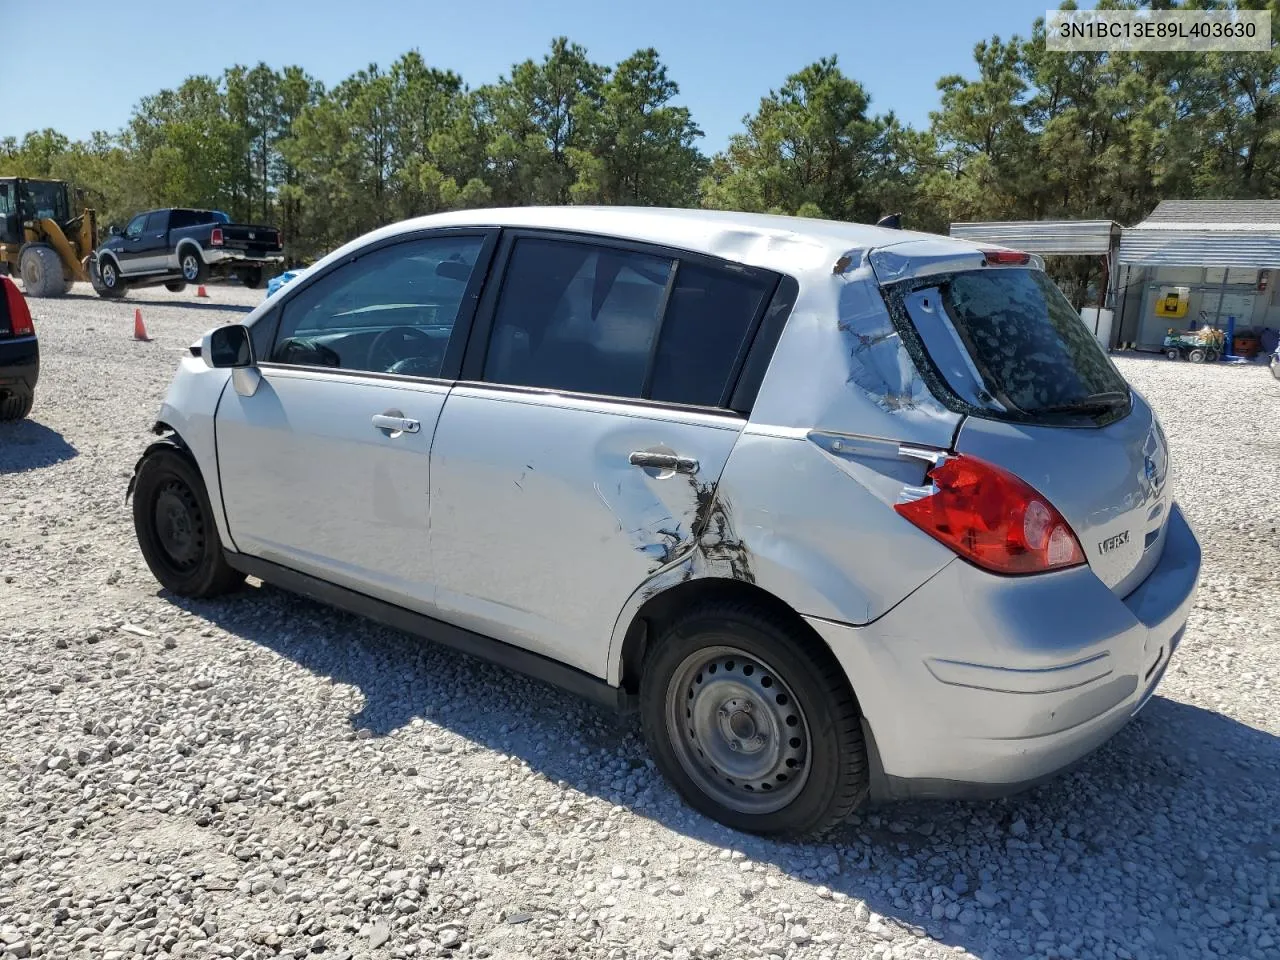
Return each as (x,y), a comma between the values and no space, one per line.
(760,239)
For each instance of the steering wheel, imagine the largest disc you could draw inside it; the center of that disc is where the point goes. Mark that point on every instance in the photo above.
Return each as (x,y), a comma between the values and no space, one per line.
(383,355)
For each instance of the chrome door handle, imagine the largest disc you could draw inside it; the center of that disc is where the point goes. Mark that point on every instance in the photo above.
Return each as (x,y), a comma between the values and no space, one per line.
(663,461)
(392,425)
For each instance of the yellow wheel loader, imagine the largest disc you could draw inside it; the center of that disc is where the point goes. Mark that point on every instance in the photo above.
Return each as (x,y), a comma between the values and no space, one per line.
(40,241)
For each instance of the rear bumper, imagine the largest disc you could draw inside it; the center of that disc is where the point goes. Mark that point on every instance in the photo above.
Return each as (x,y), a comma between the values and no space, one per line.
(978,685)
(231,258)
(19,364)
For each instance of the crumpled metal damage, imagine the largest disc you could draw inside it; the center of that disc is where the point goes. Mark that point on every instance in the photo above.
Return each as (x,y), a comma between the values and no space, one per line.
(840,331)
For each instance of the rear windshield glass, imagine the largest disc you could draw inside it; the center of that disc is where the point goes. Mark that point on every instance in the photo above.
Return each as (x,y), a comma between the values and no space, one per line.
(1007,342)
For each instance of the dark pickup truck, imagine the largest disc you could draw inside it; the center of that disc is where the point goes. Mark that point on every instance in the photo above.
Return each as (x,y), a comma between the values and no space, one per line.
(178,246)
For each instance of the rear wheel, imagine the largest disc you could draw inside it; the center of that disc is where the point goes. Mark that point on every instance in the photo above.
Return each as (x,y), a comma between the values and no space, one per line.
(176,286)
(752,722)
(175,528)
(194,269)
(251,277)
(15,405)
(1197,354)
(41,269)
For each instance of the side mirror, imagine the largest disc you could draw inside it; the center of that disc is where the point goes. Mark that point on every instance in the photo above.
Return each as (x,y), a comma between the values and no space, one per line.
(227,346)
(114,230)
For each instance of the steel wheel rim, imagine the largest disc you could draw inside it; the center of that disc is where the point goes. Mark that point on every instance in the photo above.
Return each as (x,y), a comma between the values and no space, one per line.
(738,730)
(189,268)
(179,526)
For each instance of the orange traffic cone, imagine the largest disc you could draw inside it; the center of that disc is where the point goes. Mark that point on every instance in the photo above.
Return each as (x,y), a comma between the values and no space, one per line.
(202,292)
(139,328)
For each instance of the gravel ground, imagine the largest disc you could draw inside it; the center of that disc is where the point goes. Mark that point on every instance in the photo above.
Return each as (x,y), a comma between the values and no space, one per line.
(263,776)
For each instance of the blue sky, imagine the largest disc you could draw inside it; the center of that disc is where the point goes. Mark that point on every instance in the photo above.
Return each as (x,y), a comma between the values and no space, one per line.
(724,56)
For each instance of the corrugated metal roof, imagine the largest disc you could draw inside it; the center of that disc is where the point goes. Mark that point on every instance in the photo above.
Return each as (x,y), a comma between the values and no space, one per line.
(1043,236)
(1216,211)
(1201,245)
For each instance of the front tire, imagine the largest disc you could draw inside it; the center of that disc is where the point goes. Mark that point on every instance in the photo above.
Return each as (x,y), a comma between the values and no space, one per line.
(1197,354)
(753,722)
(41,270)
(176,530)
(108,282)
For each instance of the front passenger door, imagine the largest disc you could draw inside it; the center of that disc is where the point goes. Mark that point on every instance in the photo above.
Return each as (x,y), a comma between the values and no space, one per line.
(130,255)
(325,469)
(153,251)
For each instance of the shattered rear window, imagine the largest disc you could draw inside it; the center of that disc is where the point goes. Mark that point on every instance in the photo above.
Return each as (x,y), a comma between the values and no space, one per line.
(1008,343)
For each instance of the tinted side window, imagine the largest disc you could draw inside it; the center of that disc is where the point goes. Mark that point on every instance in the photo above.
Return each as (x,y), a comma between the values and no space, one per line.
(157,222)
(390,311)
(708,319)
(185,218)
(577,317)
(135,225)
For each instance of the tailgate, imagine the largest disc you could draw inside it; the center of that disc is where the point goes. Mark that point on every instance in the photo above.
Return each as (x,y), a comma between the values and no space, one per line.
(241,236)
(1111,484)
(999,342)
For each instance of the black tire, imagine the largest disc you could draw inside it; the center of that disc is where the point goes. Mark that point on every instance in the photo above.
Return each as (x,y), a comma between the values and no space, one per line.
(15,404)
(1173,353)
(41,270)
(192,265)
(252,277)
(1212,356)
(1197,354)
(176,286)
(834,772)
(107,281)
(176,530)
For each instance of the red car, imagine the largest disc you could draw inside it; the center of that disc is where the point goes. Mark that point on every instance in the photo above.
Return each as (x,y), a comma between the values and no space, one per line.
(19,353)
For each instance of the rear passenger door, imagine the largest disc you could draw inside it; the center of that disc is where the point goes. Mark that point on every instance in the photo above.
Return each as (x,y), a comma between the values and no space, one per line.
(579,453)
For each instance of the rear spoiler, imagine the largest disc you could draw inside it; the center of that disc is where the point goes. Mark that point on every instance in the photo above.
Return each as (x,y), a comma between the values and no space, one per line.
(921,258)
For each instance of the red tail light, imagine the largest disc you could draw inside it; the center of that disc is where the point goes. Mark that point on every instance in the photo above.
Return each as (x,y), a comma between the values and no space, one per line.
(20,324)
(1002,258)
(215,238)
(993,519)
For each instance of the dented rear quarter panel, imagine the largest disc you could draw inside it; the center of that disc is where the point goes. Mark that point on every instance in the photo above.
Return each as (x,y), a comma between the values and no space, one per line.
(840,366)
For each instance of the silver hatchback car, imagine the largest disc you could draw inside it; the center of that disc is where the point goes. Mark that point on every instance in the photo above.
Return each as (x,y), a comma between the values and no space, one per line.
(843,511)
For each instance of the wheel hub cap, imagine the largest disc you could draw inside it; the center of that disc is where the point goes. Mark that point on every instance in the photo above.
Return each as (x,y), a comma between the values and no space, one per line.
(738,730)
(178,526)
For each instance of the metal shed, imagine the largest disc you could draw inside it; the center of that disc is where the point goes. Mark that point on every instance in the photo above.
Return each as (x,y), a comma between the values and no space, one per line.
(1206,233)
(1217,255)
